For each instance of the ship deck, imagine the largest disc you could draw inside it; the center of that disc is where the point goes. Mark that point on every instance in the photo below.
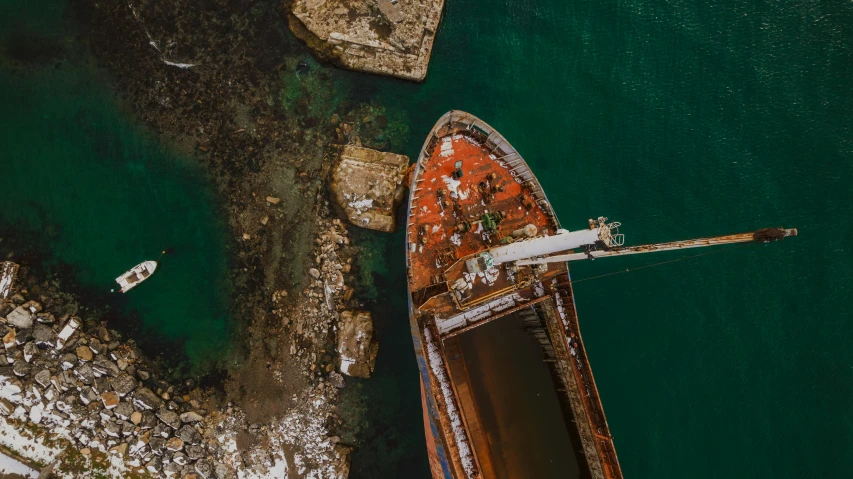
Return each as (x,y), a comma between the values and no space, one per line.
(483,423)
(487,185)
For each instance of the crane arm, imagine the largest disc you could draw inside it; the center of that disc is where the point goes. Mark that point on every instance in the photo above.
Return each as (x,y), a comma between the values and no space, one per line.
(761,236)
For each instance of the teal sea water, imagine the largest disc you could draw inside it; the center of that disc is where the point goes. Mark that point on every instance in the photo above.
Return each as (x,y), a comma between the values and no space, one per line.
(684,119)
(677,119)
(95,194)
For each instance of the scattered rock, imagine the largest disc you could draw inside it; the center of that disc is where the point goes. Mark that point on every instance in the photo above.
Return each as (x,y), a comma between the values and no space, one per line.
(44,336)
(43,378)
(104,367)
(29,351)
(110,399)
(273,200)
(124,410)
(174,444)
(9,339)
(188,434)
(84,353)
(96,346)
(136,417)
(123,384)
(143,398)
(21,368)
(21,317)
(169,417)
(191,416)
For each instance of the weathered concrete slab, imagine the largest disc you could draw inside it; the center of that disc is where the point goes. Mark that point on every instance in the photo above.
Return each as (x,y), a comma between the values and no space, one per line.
(368,185)
(388,37)
(356,346)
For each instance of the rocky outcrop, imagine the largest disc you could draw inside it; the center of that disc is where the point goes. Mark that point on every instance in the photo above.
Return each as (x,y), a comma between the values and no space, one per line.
(388,37)
(95,396)
(368,185)
(356,347)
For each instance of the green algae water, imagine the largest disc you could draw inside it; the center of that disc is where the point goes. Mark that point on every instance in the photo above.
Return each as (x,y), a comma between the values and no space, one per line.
(677,119)
(680,120)
(94,192)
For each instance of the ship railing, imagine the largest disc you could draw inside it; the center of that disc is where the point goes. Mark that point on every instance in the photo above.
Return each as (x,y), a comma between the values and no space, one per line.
(466,123)
(607,451)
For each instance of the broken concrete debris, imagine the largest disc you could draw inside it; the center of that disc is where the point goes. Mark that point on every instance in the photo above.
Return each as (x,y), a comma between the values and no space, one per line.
(388,37)
(369,186)
(356,347)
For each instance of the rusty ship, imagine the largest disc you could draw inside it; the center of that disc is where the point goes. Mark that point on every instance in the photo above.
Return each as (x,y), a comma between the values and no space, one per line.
(488,275)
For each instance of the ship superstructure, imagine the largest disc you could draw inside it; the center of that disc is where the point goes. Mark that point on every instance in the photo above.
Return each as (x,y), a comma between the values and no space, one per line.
(484,243)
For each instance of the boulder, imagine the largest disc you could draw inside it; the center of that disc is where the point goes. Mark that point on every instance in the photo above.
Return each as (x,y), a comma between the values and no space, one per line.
(169,417)
(191,416)
(174,444)
(101,385)
(136,417)
(21,317)
(180,458)
(9,340)
(148,421)
(112,428)
(33,307)
(84,353)
(22,368)
(127,428)
(143,398)
(6,407)
(124,410)
(156,444)
(172,469)
(356,346)
(44,336)
(368,185)
(96,346)
(88,396)
(194,451)
(110,399)
(104,367)
(154,465)
(123,384)
(67,361)
(84,373)
(30,350)
(43,378)
(189,435)
(204,469)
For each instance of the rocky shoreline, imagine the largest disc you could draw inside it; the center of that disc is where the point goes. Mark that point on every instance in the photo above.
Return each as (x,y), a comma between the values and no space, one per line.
(93,401)
(216,82)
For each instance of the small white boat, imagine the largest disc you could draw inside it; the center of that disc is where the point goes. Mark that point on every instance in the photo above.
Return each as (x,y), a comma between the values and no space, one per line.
(136,275)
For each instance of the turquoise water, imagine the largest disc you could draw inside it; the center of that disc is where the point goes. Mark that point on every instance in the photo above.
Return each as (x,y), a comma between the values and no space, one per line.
(94,192)
(677,119)
(683,120)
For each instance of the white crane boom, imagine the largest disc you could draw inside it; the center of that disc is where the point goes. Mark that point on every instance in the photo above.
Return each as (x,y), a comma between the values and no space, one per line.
(760,236)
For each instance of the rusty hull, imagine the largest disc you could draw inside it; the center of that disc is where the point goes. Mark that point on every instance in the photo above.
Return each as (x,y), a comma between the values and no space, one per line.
(446,227)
